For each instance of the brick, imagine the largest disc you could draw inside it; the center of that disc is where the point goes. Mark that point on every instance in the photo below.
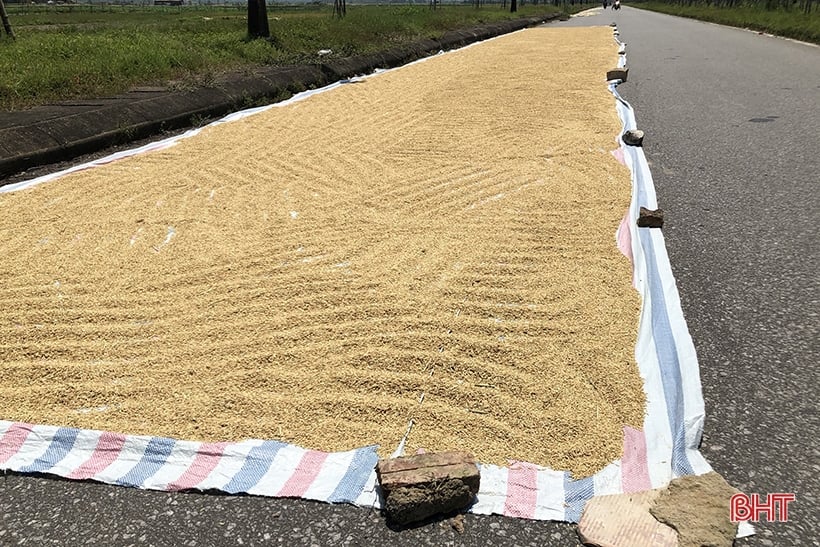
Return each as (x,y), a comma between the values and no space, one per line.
(617,74)
(421,486)
(649,218)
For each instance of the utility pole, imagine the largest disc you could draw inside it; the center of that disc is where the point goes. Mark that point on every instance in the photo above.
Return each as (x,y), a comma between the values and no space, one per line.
(5,17)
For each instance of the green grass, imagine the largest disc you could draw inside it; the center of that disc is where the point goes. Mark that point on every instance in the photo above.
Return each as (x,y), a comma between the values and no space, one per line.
(75,51)
(788,23)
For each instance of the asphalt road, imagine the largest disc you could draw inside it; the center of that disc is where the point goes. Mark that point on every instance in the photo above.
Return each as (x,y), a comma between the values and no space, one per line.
(733,137)
(732,122)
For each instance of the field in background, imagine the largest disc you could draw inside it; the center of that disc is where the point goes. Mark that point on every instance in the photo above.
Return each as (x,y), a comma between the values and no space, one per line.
(67,51)
(789,22)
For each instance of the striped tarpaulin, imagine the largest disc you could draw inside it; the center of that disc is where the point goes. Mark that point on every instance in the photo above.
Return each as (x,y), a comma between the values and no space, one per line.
(266,468)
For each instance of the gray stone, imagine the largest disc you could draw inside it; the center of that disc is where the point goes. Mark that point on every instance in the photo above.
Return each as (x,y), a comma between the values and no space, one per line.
(633,137)
(623,520)
(698,508)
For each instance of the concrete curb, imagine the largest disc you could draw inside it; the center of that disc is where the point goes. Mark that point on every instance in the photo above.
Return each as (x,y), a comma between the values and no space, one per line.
(53,133)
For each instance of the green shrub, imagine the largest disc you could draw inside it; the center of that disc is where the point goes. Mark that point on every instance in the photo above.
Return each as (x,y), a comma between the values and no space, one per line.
(791,23)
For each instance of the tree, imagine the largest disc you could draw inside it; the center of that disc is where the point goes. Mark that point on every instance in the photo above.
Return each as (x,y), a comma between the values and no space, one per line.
(513,6)
(5,17)
(257,19)
(339,8)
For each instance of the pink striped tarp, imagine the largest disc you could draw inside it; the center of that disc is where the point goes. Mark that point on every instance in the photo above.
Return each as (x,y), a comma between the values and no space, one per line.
(268,468)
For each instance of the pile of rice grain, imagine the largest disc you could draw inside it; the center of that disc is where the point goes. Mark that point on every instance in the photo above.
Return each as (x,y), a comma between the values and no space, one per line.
(441,233)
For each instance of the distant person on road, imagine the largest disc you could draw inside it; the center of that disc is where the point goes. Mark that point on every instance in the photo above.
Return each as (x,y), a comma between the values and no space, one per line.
(605,4)
(617,4)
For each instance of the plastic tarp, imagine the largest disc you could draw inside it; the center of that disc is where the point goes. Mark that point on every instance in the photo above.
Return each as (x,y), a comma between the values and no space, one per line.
(666,448)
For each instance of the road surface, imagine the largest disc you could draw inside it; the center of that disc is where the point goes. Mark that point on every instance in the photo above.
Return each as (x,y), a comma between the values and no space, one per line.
(732,120)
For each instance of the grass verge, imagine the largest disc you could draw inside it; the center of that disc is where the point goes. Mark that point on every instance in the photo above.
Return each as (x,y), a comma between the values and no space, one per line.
(788,23)
(73,51)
